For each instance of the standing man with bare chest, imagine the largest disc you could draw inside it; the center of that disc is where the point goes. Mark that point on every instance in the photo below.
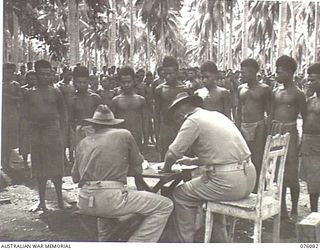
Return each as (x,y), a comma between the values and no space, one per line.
(46,112)
(11,97)
(254,104)
(131,107)
(82,105)
(287,102)
(310,145)
(164,95)
(215,98)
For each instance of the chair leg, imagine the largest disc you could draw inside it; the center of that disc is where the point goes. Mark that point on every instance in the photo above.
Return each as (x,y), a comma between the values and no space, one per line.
(257,231)
(208,226)
(276,228)
(232,227)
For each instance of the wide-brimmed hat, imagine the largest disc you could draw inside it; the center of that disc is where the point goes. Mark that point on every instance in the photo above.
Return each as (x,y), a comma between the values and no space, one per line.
(104,116)
(181,98)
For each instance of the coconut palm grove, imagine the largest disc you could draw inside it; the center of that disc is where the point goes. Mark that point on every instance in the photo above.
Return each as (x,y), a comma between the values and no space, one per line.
(173,121)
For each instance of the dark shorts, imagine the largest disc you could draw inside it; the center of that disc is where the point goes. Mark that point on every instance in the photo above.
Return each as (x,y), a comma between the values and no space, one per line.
(310,162)
(292,162)
(47,150)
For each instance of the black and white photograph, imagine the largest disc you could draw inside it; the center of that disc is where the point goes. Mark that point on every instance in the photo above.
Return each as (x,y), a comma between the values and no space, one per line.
(159,121)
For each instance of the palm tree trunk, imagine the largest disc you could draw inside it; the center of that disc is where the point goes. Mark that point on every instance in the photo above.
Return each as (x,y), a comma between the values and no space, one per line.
(30,52)
(230,64)
(15,52)
(23,48)
(96,50)
(282,28)
(163,41)
(73,32)
(272,56)
(113,35)
(224,34)
(210,43)
(148,48)
(219,36)
(245,30)
(293,53)
(131,32)
(316,33)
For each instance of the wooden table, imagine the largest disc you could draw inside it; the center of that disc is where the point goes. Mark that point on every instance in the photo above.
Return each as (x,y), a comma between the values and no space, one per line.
(184,174)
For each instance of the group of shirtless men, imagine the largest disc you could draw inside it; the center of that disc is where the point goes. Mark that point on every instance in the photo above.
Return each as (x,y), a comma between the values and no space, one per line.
(33,111)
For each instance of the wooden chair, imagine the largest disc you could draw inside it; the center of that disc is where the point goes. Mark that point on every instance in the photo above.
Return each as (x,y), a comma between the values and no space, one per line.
(263,205)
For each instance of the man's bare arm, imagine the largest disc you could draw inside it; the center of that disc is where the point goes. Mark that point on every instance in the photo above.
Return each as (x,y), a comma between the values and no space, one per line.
(227,103)
(157,115)
(302,105)
(145,121)
(239,110)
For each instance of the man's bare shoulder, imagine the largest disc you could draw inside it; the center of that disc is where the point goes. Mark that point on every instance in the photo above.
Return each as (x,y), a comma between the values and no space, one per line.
(313,99)
(241,86)
(94,95)
(223,90)
(264,86)
(139,97)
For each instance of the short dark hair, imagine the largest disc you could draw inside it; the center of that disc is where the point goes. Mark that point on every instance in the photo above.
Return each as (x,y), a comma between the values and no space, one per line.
(192,69)
(125,71)
(149,73)
(287,62)
(141,70)
(42,64)
(80,71)
(159,69)
(251,63)
(209,66)
(30,72)
(170,61)
(314,69)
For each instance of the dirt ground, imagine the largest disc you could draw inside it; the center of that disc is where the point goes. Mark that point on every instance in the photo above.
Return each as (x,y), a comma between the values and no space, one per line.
(18,224)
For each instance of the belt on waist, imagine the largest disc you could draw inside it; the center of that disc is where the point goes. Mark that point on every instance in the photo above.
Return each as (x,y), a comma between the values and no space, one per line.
(225,168)
(229,167)
(258,122)
(284,123)
(104,184)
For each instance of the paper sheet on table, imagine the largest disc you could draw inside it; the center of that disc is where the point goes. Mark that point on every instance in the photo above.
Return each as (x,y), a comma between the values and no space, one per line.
(175,167)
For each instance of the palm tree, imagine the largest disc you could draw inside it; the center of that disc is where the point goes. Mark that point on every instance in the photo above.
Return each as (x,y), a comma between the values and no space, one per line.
(131,31)
(282,28)
(73,29)
(245,29)
(316,33)
(161,16)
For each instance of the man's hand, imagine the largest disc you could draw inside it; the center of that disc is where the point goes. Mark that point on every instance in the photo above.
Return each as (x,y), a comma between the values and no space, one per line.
(185,161)
(163,170)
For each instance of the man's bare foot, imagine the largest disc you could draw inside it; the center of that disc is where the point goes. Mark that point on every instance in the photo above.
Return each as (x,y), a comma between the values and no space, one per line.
(64,205)
(38,207)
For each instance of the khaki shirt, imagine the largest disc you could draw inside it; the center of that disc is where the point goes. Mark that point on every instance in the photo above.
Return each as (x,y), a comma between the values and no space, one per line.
(107,155)
(213,138)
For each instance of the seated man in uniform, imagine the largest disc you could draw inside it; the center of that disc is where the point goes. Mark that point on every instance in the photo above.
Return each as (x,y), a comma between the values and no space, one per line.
(102,163)
(219,146)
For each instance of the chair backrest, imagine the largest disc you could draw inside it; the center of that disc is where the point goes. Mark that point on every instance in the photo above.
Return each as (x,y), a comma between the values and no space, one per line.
(272,170)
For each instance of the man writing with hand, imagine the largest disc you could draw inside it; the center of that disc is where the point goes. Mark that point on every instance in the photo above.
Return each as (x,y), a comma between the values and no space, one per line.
(219,146)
